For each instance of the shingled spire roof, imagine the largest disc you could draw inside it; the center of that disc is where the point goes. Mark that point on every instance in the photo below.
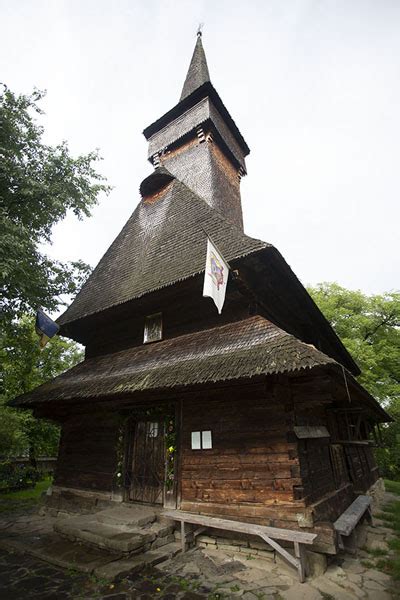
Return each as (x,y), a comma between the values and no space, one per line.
(198,70)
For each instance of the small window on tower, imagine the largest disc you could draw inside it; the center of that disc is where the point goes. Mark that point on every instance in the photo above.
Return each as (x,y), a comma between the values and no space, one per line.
(152,328)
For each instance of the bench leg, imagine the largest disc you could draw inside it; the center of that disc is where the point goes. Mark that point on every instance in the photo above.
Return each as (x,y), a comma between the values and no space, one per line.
(352,543)
(340,542)
(298,562)
(300,554)
(183,536)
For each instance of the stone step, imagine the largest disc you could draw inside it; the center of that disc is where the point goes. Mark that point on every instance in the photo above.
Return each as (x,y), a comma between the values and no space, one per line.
(127,515)
(118,569)
(123,529)
(87,530)
(161,530)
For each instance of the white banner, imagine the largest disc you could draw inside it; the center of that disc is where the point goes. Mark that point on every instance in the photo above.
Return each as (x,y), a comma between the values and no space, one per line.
(216,276)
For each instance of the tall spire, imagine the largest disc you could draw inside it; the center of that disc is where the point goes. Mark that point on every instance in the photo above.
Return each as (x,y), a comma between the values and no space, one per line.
(198,70)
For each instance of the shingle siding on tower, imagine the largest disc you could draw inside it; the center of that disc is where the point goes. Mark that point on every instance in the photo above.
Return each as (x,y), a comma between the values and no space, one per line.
(206,171)
(203,113)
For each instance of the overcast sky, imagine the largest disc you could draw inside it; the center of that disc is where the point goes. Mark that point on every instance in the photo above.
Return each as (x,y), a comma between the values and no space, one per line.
(313,85)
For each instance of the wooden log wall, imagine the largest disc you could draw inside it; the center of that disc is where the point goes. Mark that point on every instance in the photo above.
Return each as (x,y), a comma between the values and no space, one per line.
(87,454)
(334,463)
(311,396)
(182,313)
(252,468)
(362,467)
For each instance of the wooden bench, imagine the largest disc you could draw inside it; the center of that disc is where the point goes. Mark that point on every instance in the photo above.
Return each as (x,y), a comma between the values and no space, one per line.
(268,534)
(348,520)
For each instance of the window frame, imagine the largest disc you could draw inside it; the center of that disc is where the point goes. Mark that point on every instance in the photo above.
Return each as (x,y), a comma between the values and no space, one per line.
(147,320)
(201,439)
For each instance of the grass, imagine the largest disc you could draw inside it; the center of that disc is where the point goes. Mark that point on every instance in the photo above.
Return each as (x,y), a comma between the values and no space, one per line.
(390,515)
(376,551)
(24,499)
(392,486)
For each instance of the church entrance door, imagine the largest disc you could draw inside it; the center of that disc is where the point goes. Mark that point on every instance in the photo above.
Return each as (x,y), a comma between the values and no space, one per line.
(148,462)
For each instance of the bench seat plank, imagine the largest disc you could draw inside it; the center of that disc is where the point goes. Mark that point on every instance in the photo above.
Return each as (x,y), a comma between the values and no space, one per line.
(351,516)
(240,527)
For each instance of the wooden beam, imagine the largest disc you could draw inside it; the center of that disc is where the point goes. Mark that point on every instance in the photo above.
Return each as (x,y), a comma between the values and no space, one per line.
(300,554)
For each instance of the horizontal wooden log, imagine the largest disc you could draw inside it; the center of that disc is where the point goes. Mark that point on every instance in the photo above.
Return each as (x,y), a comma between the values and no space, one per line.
(193,457)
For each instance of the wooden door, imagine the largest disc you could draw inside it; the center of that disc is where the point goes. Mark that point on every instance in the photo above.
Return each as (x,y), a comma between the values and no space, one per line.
(148,462)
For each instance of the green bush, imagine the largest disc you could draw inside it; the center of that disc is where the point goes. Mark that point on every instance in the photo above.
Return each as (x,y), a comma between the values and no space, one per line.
(14,476)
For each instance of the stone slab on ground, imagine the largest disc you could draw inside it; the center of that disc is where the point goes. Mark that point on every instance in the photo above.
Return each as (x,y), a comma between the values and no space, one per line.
(301,591)
(62,553)
(85,529)
(196,574)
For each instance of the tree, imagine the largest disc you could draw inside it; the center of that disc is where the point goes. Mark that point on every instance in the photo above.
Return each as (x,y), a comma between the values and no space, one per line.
(24,367)
(369,327)
(39,184)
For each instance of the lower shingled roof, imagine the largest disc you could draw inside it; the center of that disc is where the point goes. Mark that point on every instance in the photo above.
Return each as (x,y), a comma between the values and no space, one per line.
(243,349)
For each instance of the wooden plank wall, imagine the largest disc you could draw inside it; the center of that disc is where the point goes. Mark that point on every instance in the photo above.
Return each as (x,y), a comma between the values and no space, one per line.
(181,314)
(87,457)
(362,466)
(251,470)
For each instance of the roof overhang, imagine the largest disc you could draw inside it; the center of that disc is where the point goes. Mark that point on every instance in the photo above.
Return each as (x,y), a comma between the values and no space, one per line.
(207,89)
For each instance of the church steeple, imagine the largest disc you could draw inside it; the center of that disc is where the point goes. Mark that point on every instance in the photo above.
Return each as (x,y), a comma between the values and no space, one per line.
(199,143)
(198,70)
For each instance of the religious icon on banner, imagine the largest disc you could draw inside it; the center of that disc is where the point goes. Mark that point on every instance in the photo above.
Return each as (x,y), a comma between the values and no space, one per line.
(216,276)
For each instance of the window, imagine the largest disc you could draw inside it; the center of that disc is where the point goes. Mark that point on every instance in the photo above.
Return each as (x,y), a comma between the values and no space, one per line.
(201,440)
(153,430)
(152,328)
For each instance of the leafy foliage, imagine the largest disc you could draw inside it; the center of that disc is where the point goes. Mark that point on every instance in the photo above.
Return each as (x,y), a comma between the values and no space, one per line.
(39,184)
(369,327)
(24,367)
(17,477)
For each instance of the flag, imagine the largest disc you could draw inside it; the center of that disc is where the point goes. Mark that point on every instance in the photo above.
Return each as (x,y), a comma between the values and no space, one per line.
(215,276)
(45,327)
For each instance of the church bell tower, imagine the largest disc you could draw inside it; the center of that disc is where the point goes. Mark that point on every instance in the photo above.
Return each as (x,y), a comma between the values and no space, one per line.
(200,144)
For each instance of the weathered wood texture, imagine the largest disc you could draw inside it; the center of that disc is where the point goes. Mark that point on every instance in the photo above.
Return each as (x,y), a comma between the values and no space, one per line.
(329,464)
(268,534)
(87,454)
(182,313)
(257,471)
(252,468)
(351,516)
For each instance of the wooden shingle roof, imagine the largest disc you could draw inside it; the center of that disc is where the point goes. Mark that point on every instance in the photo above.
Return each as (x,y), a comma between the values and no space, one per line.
(238,350)
(163,242)
(198,70)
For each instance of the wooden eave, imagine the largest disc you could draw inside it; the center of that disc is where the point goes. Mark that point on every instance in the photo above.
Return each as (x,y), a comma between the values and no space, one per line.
(209,126)
(207,89)
(283,300)
(288,304)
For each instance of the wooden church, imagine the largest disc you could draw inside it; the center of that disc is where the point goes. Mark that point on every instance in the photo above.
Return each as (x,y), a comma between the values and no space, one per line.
(253,415)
